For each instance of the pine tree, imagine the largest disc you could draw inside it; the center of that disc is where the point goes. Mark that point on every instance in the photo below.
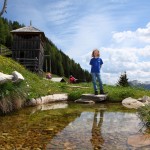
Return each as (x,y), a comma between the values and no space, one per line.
(123,80)
(2,32)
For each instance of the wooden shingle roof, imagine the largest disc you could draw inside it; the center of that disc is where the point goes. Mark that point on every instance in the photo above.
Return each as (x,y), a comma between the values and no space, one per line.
(28,29)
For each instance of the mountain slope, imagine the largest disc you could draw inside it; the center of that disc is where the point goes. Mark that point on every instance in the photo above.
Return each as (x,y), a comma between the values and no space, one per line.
(136,83)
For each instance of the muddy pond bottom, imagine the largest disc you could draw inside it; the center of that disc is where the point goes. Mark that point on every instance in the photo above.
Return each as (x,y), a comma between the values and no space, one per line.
(70,126)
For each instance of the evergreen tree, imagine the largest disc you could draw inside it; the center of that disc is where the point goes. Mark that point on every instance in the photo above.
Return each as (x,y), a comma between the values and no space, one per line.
(88,76)
(2,32)
(123,80)
(15,25)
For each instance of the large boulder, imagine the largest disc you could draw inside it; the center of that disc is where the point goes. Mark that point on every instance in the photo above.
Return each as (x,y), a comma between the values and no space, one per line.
(146,99)
(132,103)
(17,77)
(54,98)
(5,77)
(48,99)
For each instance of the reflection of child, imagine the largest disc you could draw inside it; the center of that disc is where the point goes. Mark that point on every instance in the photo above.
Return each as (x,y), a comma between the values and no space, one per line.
(48,75)
(97,139)
(96,63)
(72,79)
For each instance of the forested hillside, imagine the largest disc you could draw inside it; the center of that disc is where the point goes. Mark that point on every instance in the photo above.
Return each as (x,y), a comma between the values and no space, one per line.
(62,65)
(59,62)
(5,28)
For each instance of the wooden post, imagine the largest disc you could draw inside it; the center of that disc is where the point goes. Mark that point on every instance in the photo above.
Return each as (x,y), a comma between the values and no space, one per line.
(46,64)
(50,64)
(1,49)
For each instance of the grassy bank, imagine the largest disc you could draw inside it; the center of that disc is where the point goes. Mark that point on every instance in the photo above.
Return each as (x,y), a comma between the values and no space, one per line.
(144,114)
(13,96)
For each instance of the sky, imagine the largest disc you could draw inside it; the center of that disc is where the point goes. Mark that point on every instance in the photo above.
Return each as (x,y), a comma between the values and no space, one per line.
(120,29)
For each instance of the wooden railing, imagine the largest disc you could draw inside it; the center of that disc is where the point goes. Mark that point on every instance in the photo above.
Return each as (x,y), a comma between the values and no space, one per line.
(29,63)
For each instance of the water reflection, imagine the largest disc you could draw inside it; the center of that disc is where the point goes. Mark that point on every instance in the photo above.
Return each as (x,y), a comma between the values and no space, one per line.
(50,106)
(73,126)
(102,129)
(97,139)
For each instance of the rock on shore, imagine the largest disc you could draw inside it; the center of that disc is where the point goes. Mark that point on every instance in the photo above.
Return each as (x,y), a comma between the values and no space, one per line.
(14,77)
(48,99)
(136,103)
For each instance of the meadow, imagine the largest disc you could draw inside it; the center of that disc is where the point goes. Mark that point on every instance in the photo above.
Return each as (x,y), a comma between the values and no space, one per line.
(13,96)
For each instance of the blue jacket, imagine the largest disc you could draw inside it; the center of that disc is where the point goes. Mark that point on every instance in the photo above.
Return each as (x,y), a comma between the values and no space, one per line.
(96,64)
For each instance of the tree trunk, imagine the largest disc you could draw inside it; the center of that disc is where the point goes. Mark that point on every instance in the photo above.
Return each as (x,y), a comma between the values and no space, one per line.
(4,8)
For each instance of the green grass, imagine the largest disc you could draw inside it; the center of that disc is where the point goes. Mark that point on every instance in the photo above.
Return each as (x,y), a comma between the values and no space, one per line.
(35,86)
(144,114)
(117,93)
(4,50)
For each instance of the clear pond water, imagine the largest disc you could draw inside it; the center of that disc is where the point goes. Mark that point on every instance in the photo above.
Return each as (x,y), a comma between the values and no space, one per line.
(70,126)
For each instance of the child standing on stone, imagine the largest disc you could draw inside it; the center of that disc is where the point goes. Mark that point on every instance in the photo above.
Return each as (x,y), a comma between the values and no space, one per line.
(96,64)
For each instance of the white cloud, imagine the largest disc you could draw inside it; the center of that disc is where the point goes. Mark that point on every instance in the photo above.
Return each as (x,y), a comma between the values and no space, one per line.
(144,52)
(141,35)
(127,60)
(59,12)
(123,36)
(138,75)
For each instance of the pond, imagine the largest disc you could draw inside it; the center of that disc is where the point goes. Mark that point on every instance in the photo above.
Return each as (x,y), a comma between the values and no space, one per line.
(70,126)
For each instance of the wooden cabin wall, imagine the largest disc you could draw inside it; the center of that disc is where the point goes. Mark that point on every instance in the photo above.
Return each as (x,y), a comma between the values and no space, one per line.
(29,51)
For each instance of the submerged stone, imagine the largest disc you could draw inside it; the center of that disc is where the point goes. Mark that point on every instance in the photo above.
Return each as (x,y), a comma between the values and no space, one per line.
(84,101)
(139,140)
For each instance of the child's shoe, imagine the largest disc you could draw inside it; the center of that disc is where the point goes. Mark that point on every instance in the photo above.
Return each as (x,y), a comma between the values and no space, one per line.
(102,92)
(96,92)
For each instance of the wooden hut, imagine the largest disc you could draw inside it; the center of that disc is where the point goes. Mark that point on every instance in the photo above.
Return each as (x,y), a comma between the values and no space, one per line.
(28,47)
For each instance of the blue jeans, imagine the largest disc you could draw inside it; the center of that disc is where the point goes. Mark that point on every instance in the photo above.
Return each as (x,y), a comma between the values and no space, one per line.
(97,76)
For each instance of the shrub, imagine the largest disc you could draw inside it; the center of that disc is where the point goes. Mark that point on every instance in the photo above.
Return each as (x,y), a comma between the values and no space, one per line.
(11,97)
(74,95)
(144,114)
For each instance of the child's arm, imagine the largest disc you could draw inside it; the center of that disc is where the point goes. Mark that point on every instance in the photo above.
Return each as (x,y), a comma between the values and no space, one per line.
(90,62)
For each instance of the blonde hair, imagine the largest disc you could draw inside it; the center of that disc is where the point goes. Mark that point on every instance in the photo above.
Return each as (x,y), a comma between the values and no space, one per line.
(94,52)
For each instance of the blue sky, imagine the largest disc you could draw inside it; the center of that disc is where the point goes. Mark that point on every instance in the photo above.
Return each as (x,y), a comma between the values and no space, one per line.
(120,29)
